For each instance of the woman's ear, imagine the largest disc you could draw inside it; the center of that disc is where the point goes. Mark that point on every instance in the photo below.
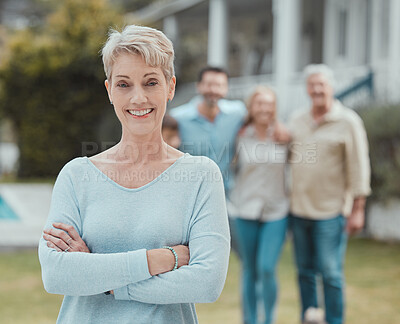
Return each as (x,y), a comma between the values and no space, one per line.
(108,87)
(172,84)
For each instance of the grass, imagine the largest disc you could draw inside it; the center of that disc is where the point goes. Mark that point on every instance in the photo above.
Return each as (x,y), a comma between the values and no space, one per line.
(373,287)
(372,272)
(12,178)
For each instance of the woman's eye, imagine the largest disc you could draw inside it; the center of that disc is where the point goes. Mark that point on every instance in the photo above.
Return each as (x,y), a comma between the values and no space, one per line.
(122,85)
(152,83)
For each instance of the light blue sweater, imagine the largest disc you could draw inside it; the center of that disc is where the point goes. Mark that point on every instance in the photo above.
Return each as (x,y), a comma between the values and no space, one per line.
(183,205)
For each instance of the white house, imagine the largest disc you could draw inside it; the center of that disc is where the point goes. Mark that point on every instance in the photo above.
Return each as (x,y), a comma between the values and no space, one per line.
(271,41)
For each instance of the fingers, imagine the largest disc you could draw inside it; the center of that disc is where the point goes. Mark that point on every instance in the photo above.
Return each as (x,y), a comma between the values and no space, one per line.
(60,243)
(69,229)
(53,246)
(352,228)
(55,243)
(58,234)
(65,238)
(58,238)
(69,245)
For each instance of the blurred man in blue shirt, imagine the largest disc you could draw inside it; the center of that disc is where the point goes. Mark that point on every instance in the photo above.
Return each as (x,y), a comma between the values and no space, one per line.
(208,124)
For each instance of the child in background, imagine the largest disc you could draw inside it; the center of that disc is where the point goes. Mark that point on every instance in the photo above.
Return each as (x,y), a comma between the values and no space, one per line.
(170,131)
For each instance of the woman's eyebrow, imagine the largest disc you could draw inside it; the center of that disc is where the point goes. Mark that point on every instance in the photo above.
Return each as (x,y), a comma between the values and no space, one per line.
(150,73)
(127,77)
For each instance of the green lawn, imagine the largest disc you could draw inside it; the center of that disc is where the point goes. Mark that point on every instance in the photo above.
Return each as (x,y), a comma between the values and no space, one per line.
(373,289)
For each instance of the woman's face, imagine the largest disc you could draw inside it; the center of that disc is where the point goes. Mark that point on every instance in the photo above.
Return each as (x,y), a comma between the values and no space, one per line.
(262,109)
(139,94)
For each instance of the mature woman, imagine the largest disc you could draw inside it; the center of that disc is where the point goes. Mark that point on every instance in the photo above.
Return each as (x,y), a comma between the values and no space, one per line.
(139,207)
(260,202)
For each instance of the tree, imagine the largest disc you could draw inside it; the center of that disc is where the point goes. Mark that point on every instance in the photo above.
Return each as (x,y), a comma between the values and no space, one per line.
(52,85)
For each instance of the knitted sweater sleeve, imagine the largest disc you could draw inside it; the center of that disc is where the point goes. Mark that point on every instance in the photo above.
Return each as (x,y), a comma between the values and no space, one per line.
(78,273)
(203,279)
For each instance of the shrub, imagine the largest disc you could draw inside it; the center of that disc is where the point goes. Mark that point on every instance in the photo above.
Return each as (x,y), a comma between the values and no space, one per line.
(52,85)
(382,126)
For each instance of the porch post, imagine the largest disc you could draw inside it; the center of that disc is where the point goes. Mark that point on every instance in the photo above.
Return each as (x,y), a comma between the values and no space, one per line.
(171,29)
(218,33)
(285,47)
(330,33)
(375,31)
(394,50)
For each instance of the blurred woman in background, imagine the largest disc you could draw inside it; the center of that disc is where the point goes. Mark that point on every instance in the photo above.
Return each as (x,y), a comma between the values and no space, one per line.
(260,202)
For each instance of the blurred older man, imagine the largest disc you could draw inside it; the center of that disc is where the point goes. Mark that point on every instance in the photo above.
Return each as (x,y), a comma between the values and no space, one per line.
(330,180)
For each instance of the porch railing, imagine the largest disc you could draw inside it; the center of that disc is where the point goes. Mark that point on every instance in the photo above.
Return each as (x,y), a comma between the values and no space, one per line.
(366,83)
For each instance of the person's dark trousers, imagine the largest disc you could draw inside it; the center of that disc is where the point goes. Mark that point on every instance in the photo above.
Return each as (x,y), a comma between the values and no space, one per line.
(319,247)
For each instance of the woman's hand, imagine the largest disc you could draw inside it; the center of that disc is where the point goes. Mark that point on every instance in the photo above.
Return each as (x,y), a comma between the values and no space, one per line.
(163,260)
(281,133)
(64,238)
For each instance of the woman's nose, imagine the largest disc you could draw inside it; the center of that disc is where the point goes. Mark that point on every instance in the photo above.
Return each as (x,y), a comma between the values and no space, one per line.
(138,96)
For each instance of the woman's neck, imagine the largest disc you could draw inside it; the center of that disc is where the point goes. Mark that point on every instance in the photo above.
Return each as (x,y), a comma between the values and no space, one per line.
(261,130)
(140,149)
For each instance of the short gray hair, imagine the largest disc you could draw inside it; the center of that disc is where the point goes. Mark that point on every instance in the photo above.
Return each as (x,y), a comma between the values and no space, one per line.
(323,69)
(151,44)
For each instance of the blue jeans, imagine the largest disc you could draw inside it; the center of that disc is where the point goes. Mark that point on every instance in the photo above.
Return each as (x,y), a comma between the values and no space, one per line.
(319,248)
(260,245)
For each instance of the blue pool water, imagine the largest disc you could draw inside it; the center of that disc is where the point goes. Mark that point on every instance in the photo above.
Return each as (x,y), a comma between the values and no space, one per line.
(6,212)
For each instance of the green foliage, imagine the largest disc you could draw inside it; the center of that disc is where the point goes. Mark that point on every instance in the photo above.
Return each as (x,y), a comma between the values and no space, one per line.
(382,125)
(52,85)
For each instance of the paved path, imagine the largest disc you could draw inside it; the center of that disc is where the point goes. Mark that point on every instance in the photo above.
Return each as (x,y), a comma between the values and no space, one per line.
(31,203)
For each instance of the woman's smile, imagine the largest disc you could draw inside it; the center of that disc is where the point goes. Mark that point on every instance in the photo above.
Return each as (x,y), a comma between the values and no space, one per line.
(140,113)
